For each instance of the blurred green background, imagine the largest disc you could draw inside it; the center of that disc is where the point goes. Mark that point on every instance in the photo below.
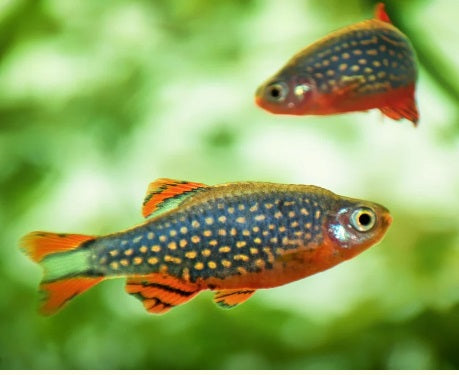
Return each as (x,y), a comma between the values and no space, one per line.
(98,98)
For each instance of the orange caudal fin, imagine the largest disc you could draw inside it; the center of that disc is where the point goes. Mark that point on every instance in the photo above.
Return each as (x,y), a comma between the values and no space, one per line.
(160,292)
(404,108)
(66,265)
(381,14)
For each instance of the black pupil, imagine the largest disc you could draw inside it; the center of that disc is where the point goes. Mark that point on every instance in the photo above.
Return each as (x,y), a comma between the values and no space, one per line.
(275,92)
(364,219)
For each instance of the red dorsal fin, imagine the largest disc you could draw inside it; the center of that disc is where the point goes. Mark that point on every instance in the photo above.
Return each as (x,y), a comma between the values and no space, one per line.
(228,298)
(160,292)
(165,194)
(381,14)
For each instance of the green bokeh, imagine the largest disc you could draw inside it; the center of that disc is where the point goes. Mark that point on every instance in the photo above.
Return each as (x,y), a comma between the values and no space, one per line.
(97,99)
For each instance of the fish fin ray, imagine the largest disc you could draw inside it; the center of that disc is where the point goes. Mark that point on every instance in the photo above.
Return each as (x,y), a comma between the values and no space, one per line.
(58,292)
(165,194)
(38,244)
(405,108)
(160,292)
(381,14)
(228,298)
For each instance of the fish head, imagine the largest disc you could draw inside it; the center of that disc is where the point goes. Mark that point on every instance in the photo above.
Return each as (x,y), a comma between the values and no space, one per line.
(353,226)
(287,93)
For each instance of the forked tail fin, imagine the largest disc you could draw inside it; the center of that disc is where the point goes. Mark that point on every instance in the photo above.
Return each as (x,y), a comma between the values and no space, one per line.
(65,259)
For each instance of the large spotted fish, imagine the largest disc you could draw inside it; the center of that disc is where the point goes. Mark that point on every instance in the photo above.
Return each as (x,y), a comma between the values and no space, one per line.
(370,64)
(233,238)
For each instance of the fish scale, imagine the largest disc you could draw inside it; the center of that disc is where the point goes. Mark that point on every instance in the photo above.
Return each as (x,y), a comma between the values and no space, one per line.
(230,236)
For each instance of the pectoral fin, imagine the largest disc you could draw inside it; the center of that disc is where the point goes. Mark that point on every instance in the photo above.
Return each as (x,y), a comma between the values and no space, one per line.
(229,298)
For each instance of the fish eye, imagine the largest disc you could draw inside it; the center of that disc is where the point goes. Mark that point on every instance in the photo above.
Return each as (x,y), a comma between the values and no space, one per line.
(363,219)
(277,91)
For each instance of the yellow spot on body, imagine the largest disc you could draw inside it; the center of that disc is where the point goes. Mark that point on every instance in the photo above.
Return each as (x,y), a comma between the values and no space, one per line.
(394,64)
(209,220)
(246,232)
(260,217)
(279,251)
(278,215)
(186,274)
(331,82)
(207,233)
(184,230)
(254,207)
(124,262)
(267,251)
(213,242)
(162,238)
(367,69)
(124,242)
(173,232)
(260,263)
(113,253)
(231,210)
(385,62)
(382,48)
(362,61)
(222,219)
(271,226)
(289,203)
(224,249)
(220,206)
(241,207)
(292,214)
(285,241)
(212,265)
(137,239)
(317,65)
(241,270)
(240,244)
(172,246)
(334,58)
(282,229)
(308,236)
(357,52)
(330,72)
(191,254)
(199,266)
(128,252)
(150,235)
(381,74)
(114,265)
(342,67)
(255,229)
(318,75)
(206,252)
(172,259)
(304,211)
(183,243)
(265,233)
(355,68)
(241,220)
(317,214)
(242,257)
(163,268)
(298,233)
(325,62)
(269,205)
(233,231)
(253,250)
(195,239)
(226,263)
(376,63)
(156,248)
(372,52)
(152,260)
(308,225)
(143,249)
(195,224)
(273,240)
(294,224)
(371,77)
(137,260)
(222,232)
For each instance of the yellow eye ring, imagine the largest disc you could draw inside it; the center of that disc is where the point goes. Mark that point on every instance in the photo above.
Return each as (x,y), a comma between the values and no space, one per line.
(363,219)
(277,91)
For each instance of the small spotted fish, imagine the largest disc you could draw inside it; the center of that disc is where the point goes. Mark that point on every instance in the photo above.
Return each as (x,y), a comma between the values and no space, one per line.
(232,238)
(370,64)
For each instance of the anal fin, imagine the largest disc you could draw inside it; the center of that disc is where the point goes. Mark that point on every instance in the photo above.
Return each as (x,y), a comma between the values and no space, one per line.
(404,108)
(229,298)
(160,292)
